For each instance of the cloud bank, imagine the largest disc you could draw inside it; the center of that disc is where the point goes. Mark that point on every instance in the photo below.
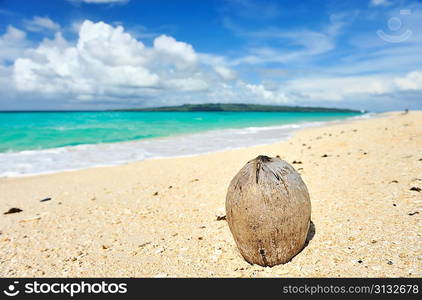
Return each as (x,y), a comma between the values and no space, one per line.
(108,63)
(106,66)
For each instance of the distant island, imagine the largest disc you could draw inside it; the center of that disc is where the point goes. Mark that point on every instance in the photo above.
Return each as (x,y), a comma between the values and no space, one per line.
(239,107)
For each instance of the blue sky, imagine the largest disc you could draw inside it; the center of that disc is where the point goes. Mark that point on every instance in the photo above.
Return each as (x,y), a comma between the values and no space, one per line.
(100,54)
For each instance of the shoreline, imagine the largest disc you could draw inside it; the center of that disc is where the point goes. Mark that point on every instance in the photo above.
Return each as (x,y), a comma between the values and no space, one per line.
(158,217)
(290,130)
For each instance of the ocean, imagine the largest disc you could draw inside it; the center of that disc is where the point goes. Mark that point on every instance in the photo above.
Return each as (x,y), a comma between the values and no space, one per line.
(45,142)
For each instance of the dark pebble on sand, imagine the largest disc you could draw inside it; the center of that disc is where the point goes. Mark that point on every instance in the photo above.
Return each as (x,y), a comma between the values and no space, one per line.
(45,199)
(413,213)
(394,181)
(325,155)
(296,162)
(13,210)
(156,194)
(360,261)
(389,262)
(394,204)
(415,188)
(170,186)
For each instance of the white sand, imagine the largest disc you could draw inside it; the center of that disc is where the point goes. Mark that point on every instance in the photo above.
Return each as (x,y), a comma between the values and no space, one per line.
(107,221)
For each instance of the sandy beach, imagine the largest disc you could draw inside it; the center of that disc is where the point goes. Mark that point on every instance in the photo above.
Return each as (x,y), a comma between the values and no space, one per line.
(158,218)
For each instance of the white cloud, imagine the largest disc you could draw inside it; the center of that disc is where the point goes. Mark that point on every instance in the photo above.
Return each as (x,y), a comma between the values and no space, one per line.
(187,84)
(12,44)
(337,88)
(297,44)
(179,53)
(340,88)
(38,24)
(107,62)
(380,3)
(290,45)
(412,81)
(225,73)
(268,96)
(110,45)
(104,61)
(212,59)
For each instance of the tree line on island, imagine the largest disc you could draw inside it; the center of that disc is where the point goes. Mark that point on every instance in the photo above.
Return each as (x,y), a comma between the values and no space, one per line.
(238,107)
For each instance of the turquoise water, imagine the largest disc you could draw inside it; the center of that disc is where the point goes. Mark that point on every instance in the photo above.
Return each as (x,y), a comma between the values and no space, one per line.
(46,142)
(42,130)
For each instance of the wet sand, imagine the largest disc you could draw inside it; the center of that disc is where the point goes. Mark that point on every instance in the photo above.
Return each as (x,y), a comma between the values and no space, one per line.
(158,218)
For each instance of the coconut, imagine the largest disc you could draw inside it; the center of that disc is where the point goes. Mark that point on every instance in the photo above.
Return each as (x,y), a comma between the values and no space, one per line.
(268,211)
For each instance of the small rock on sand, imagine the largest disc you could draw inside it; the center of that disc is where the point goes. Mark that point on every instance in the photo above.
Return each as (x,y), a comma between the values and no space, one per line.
(13,210)
(220,214)
(221,217)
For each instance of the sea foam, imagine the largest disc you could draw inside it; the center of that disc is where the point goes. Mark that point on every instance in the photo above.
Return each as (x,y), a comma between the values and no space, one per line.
(32,162)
